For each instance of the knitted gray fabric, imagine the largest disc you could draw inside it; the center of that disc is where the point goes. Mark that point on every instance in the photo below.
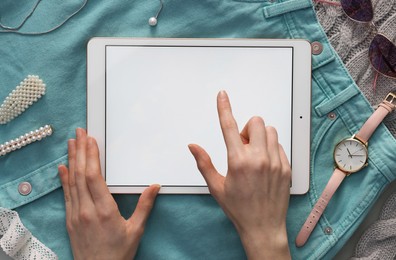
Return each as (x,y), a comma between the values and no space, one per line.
(351,40)
(379,240)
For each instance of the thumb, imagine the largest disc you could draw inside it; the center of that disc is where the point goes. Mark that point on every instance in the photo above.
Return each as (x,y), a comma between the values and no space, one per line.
(143,208)
(212,177)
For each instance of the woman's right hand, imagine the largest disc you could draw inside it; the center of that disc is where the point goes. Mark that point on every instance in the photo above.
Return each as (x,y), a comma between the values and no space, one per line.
(255,192)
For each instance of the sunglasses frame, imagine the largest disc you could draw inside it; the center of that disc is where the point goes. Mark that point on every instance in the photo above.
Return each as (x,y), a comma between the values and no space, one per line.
(375,31)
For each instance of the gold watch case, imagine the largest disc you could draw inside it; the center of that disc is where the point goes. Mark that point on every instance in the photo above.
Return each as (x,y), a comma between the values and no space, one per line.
(350,155)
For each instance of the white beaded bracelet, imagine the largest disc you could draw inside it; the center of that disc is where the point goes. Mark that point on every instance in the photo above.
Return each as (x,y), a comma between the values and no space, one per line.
(29,91)
(25,139)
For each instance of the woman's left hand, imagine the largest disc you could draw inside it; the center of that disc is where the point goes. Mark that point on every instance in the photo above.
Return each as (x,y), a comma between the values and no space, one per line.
(95,226)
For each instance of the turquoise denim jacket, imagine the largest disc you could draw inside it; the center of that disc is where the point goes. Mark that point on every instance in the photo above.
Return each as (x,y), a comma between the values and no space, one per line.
(181,226)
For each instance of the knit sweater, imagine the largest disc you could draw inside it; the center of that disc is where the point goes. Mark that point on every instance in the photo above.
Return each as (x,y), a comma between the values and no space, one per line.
(351,40)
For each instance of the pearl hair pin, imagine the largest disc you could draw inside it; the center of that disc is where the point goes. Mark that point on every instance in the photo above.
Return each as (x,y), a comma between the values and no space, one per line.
(154,20)
(25,139)
(29,91)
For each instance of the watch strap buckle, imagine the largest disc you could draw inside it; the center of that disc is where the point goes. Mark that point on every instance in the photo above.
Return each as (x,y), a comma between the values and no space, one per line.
(390,101)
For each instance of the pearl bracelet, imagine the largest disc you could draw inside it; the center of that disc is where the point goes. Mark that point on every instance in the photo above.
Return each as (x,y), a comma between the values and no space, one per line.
(29,91)
(25,139)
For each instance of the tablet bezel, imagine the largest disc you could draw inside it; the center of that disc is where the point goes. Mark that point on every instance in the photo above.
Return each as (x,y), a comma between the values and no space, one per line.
(301,117)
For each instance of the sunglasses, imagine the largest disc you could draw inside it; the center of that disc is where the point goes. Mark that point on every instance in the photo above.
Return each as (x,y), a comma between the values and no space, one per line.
(382,52)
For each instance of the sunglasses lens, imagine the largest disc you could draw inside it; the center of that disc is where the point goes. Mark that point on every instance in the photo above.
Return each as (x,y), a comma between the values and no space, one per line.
(359,10)
(382,55)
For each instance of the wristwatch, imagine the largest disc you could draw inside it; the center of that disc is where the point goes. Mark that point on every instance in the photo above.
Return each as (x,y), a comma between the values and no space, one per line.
(350,155)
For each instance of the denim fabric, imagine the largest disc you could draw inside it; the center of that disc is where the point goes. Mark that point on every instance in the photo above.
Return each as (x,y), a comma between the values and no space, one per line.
(181,226)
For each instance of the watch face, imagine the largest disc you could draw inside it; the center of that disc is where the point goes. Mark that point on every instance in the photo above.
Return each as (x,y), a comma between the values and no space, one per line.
(350,155)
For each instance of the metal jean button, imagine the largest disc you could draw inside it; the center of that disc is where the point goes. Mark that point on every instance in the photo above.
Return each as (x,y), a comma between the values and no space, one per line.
(328,230)
(317,48)
(331,115)
(25,188)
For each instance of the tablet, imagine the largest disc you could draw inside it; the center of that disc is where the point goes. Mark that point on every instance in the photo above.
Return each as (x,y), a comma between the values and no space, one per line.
(148,98)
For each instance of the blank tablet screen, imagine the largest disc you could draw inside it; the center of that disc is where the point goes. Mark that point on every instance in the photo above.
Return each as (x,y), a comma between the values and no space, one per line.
(159,99)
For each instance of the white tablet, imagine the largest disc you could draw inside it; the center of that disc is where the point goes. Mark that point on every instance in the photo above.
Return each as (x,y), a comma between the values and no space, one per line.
(147,99)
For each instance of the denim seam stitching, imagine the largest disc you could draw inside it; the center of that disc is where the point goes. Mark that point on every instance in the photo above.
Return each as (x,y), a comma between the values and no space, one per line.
(285,7)
(321,79)
(378,158)
(314,194)
(15,203)
(316,76)
(336,101)
(39,195)
(290,26)
(32,174)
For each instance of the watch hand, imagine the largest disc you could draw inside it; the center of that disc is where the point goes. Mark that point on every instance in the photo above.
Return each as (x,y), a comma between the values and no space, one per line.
(350,155)
(358,150)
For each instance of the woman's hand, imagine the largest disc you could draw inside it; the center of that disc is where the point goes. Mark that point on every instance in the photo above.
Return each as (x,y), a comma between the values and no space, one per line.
(95,226)
(255,192)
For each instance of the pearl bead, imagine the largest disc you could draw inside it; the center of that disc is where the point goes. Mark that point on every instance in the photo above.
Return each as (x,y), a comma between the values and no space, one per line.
(152,21)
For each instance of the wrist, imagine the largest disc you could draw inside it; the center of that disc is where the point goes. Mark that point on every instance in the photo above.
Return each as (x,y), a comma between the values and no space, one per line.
(265,245)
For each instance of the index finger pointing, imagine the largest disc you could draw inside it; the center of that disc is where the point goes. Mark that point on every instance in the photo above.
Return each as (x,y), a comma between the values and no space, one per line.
(228,124)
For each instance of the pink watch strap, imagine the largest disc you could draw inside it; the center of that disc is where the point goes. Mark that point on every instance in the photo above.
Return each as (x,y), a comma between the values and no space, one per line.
(313,218)
(387,106)
(376,118)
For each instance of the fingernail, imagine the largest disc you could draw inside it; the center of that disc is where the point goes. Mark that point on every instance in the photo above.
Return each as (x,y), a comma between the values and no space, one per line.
(78,132)
(222,94)
(192,149)
(60,171)
(157,186)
